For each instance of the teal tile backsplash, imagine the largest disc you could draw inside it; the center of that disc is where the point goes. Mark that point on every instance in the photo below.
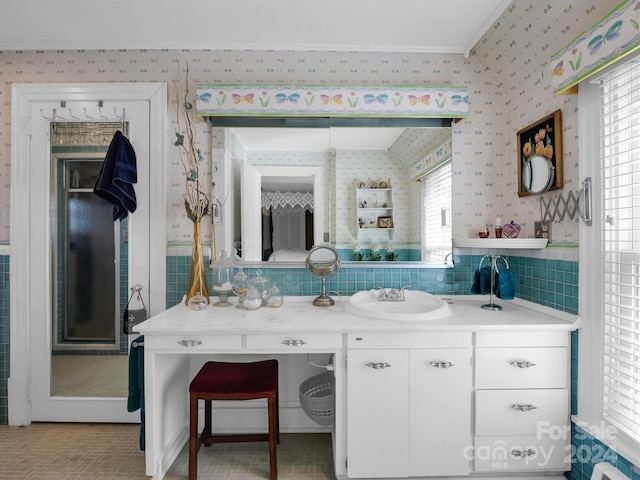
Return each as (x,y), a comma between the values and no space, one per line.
(553,283)
(4,336)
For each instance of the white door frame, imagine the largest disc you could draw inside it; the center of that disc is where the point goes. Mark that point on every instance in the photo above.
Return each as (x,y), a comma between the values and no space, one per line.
(22,260)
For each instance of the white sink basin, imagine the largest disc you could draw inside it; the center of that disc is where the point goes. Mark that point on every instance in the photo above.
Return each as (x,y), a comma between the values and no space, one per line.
(417,306)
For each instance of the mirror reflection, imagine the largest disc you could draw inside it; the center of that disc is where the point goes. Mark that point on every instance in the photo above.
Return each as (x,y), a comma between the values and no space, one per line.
(88,354)
(296,188)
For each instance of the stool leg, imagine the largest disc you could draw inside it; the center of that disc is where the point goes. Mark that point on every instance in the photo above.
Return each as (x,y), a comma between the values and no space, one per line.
(273,436)
(206,432)
(194,441)
(277,417)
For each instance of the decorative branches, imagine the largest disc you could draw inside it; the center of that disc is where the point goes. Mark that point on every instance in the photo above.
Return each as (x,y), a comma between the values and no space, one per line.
(196,200)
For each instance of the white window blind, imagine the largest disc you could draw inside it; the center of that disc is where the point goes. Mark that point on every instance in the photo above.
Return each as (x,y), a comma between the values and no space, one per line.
(620,247)
(436,196)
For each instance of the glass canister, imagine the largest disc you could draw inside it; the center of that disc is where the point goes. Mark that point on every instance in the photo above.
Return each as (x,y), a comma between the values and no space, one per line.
(240,284)
(275,297)
(262,285)
(252,299)
(222,279)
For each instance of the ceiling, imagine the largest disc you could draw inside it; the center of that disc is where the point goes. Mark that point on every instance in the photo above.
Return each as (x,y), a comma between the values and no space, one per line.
(434,26)
(316,139)
(311,140)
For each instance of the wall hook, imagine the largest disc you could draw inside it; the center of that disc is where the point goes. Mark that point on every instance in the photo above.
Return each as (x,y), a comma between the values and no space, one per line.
(88,116)
(48,118)
(77,119)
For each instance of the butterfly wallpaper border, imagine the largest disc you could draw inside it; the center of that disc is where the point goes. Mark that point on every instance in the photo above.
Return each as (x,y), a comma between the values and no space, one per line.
(305,100)
(613,37)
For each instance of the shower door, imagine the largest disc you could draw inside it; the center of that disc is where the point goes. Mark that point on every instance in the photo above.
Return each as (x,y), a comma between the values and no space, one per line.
(88,270)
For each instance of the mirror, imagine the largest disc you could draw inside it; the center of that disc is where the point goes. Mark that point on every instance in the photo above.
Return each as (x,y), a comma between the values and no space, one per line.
(323,262)
(538,174)
(323,163)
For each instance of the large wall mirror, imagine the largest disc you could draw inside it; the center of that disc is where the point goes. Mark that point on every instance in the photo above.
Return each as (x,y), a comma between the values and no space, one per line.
(295,188)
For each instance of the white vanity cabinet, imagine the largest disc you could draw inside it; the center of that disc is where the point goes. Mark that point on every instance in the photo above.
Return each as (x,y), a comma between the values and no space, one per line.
(480,394)
(521,401)
(408,404)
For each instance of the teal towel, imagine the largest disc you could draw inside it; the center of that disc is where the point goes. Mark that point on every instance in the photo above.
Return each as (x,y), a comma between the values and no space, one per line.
(482,281)
(135,399)
(506,289)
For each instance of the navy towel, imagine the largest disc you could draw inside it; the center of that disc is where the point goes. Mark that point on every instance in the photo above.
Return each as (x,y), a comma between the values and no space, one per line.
(117,176)
(135,400)
(482,281)
(506,289)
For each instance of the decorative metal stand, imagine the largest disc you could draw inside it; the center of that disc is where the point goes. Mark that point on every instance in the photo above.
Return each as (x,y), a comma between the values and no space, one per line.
(494,269)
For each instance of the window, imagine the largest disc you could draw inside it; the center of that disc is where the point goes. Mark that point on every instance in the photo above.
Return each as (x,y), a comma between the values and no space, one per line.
(436,194)
(619,255)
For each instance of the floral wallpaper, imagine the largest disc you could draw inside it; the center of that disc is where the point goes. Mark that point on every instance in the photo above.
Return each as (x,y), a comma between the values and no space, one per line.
(507,78)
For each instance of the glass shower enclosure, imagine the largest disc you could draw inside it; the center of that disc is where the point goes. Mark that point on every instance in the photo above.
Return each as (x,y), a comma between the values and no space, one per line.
(86,248)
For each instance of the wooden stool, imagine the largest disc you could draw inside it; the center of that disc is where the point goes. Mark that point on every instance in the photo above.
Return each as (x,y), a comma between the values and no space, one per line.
(233,381)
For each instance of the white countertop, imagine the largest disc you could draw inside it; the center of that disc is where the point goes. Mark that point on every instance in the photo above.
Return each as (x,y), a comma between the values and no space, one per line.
(298,315)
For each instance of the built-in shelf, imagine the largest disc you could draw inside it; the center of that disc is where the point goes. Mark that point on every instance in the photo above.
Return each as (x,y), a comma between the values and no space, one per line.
(374,205)
(533,243)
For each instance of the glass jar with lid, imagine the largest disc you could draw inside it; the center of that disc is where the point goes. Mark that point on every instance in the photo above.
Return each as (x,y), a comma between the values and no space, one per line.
(262,285)
(222,279)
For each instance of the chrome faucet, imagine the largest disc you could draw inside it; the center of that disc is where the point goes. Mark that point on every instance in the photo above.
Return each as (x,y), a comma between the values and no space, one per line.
(392,295)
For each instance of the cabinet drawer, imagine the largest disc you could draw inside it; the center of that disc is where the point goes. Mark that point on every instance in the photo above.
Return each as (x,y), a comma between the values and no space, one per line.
(409,340)
(532,338)
(295,343)
(521,367)
(520,412)
(521,453)
(191,342)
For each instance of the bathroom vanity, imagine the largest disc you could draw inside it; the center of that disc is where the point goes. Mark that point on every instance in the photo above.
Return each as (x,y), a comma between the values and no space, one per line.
(475,393)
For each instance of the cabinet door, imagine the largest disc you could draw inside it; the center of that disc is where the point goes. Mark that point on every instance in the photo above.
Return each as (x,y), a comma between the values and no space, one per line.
(440,412)
(377,413)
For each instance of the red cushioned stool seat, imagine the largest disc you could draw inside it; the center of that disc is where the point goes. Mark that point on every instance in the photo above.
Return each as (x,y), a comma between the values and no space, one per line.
(233,381)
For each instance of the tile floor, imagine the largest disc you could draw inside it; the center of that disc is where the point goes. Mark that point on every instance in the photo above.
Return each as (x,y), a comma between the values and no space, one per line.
(89,375)
(77,451)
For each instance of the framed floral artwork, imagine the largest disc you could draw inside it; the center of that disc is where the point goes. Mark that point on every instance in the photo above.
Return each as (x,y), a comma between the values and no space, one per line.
(540,156)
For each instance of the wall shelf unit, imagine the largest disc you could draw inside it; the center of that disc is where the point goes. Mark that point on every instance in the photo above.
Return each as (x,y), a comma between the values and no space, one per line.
(374,208)
(530,243)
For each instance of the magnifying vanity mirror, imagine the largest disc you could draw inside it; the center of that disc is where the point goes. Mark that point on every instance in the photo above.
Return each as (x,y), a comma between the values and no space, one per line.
(323,262)
(538,174)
